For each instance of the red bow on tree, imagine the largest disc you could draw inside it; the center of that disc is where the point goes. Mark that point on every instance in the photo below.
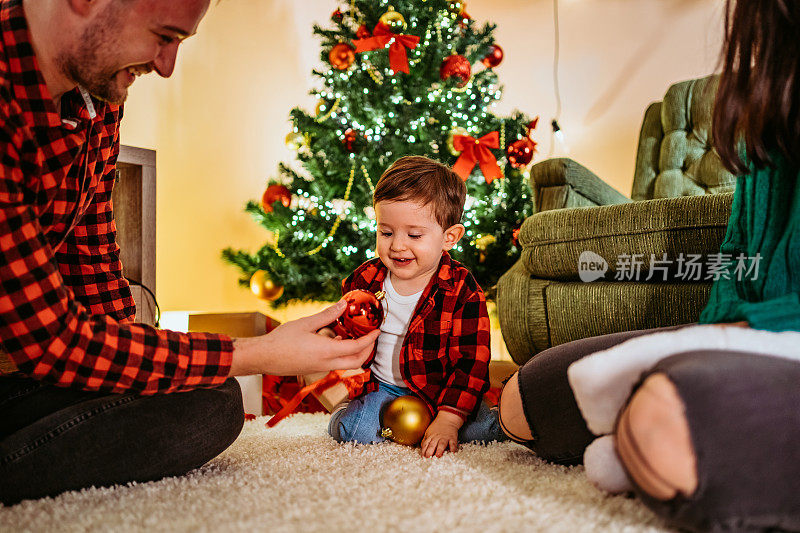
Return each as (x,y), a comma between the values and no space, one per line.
(398,59)
(477,151)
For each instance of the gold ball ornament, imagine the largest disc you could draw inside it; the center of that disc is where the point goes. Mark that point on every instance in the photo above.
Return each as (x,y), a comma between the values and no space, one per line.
(483,242)
(393,20)
(295,140)
(450,139)
(405,419)
(263,286)
(456,6)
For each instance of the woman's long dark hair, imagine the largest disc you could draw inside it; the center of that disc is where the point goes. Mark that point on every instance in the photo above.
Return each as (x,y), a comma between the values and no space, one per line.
(759,89)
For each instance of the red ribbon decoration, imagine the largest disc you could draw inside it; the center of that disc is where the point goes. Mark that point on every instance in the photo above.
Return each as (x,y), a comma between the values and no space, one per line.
(398,58)
(354,384)
(477,151)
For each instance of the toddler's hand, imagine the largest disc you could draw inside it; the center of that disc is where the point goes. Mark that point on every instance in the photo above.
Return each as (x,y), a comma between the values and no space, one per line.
(441,435)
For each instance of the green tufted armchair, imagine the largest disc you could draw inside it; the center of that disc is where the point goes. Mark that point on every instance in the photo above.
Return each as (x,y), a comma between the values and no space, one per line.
(681,200)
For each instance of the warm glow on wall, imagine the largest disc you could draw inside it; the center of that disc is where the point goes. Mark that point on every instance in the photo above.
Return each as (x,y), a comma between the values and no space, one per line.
(219,124)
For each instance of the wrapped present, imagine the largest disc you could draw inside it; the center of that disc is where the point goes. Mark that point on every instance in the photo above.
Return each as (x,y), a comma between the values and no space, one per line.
(251,324)
(337,393)
(279,391)
(352,382)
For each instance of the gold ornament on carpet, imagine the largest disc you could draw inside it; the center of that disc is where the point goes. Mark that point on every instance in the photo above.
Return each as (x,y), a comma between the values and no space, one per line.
(393,20)
(263,286)
(405,419)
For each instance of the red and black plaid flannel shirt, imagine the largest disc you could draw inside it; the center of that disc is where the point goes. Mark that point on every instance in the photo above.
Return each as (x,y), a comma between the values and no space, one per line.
(445,354)
(66,312)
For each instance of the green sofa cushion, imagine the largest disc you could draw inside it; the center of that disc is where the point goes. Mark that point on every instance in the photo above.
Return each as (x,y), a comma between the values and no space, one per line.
(556,312)
(552,241)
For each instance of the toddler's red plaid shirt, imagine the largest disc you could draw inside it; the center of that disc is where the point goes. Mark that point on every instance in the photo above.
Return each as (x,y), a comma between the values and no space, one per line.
(445,354)
(66,312)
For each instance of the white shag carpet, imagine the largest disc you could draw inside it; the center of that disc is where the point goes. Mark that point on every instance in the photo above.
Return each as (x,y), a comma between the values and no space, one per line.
(295,478)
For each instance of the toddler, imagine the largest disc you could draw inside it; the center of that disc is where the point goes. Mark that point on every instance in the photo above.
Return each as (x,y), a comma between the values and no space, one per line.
(434,339)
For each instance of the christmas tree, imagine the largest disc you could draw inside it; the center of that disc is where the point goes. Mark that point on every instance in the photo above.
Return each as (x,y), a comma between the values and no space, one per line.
(412,78)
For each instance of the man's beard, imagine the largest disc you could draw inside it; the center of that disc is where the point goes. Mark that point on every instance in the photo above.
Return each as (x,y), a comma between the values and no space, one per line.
(91,63)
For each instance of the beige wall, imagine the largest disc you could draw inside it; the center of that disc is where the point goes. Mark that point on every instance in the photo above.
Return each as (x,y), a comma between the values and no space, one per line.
(218,124)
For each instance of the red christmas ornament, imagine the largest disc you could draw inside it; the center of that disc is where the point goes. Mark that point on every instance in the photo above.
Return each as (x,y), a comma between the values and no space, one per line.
(515,237)
(337,15)
(458,66)
(494,57)
(363,314)
(363,33)
(520,152)
(352,141)
(276,193)
(342,56)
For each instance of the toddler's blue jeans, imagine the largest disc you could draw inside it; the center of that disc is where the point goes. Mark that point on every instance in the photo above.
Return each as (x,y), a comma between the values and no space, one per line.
(360,421)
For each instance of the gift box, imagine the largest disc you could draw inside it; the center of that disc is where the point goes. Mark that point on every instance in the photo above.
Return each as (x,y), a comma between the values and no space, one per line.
(262,394)
(352,381)
(339,392)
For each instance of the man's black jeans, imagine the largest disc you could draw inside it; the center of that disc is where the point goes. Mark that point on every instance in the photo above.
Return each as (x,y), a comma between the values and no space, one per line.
(55,439)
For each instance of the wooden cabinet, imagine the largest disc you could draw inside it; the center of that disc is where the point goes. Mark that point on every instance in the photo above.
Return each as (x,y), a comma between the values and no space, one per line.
(134,201)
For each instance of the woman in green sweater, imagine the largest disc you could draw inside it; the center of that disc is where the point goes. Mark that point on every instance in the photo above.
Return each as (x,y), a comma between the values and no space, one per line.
(711,438)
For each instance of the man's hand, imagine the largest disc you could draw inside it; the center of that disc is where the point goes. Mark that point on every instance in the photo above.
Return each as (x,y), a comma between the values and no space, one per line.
(441,435)
(295,348)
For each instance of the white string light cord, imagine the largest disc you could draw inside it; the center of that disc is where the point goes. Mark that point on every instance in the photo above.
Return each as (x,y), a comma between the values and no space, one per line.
(556,52)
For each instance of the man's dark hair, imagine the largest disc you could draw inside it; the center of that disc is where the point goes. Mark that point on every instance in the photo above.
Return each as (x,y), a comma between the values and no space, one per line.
(426,181)
(759,89)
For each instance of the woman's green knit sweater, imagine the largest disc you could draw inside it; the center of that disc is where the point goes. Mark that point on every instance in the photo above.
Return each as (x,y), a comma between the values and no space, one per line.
(764,224)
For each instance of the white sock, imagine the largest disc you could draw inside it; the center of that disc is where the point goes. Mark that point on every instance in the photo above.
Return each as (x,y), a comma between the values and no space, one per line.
(604,468)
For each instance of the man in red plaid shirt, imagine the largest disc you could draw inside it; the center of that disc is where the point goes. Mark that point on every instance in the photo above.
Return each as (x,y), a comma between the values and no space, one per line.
(83,387)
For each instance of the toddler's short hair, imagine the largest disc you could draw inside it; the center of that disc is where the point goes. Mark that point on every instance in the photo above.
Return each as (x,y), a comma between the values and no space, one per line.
(418,178)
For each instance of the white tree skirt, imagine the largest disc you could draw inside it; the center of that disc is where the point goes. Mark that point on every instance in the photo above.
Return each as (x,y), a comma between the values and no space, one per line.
(294,477)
